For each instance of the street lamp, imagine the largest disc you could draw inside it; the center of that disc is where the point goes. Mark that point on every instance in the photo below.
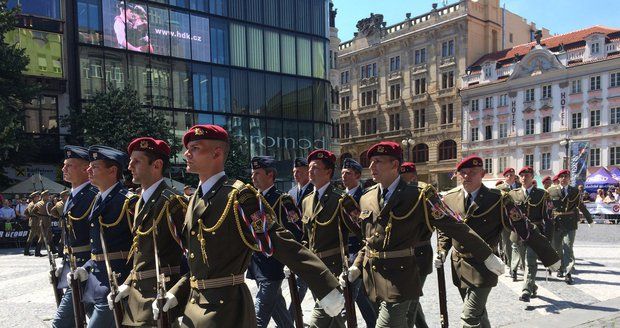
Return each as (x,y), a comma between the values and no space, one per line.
(408,142)
(566,144)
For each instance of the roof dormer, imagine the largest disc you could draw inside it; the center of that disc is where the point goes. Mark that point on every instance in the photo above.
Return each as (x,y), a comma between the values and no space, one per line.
(595,46)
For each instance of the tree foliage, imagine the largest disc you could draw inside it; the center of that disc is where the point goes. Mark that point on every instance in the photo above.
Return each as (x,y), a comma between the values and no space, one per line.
(237,165)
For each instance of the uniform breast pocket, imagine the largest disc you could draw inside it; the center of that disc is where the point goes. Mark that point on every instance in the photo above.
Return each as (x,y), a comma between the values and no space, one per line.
(366,215)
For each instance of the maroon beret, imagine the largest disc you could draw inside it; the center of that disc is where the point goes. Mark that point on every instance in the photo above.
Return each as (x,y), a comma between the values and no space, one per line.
(205,132)
(322,154)
(148,144)
(555,178)
(567,172)
(469,161)
(547,178)
(526,169)
(498,182)
(407,167)
(508,170)
(388,148)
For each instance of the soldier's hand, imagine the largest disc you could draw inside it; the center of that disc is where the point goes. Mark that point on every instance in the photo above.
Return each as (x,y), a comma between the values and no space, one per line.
(439,259)
(495,264)
(123,291)
(171,301)
(287,272)
(354,273)
(58,271)
(332,303)
(79,273)
(555,266)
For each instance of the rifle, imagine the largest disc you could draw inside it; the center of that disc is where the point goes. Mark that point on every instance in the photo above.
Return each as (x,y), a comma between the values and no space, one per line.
(295,301)
(118,310)
(54,280)
(349,304)
(162,321)
(79,314)
(443,303)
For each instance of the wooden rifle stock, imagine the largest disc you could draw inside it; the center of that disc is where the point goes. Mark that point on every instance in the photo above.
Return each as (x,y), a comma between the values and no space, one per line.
(295,301)
(443,302)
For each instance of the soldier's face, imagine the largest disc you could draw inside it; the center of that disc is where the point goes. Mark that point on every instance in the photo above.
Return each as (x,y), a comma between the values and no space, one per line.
(564,179)
(547,184)
(201,155)
(74,170)
(527,178)
(140,168)
(408,177)
(319,174)
(99,174)
(510,177)
(261,179)
(300,174)
(383,168)
(471,177)
(350,178)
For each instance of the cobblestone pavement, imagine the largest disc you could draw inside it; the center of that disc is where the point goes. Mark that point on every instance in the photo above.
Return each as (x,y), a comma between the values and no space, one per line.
(27,301)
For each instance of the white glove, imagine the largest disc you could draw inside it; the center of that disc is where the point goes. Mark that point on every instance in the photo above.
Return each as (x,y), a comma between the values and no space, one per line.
(439,259)
(123,291)
(494,264)
(287,272)
(79,273)
(555,266)
(332,303)
(171,301)
(58,271)
(354,273)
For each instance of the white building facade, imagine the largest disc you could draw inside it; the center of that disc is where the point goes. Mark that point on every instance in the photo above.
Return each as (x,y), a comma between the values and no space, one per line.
(521,105)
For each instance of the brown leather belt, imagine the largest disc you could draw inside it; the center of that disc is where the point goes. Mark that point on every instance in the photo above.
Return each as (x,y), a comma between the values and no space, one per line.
(146,274)
(111,256)
(373,254)
(422,243)
(328,253)
(231,280)
(78,249)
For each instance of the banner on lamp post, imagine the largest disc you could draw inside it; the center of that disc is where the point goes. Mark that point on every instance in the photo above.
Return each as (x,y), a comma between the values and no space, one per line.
(579,151)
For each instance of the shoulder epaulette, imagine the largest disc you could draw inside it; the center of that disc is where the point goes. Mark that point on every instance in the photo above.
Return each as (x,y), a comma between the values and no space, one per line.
(497,191)
(238,184)
(370,188)
(92,189)
(453,190)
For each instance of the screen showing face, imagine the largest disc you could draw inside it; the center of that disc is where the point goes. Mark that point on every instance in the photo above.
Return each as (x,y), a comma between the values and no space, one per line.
(125,26)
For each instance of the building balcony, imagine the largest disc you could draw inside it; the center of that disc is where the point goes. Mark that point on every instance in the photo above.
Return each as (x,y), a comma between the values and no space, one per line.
(472,79)
(447,61)
(345,87)
(546,103)
(419,68)
(396,75)
(420,98)
(395,103)
(448,92)
(368,109)
(369,81)
(504,71)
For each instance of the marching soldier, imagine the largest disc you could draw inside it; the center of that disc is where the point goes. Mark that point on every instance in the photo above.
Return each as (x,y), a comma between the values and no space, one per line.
(510,183)
(328,218)
(159,214)
(546,181)
(567,203)
(533,202)
(409,174)
(56,214)
(110,234)
(33,222)
(393,216)
(75,225)
(267,271)
(56,211)
(488,212)
(351,174)
(41,210)
(226,221)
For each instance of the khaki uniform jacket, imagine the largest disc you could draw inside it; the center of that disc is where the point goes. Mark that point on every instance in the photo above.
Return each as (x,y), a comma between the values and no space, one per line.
(566,209)
(34,223)
(165,210)
(424,250)
(404,220)
(323,222)
(487,217)
(56,211)
(41,211)
(219,244)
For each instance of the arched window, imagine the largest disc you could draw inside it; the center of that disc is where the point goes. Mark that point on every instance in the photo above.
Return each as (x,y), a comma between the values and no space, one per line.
(420,153)
(364,162)
(447,150)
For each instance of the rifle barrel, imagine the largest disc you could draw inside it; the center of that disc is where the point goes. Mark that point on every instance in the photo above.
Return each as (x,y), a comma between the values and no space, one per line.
(295,301)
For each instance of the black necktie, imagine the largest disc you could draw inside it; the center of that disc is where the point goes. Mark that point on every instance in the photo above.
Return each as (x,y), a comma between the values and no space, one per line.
(97,203)
(467,202)
(563,192)
(69,201)
(316,199)
(199,192)
(383,197)
(140,203)
(299,193)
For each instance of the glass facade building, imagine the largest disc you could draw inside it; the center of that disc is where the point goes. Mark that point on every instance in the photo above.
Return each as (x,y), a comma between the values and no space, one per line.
(256,67)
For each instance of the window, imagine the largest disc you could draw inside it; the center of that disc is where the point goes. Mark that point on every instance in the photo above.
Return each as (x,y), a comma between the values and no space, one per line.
(369,126)
(447,80)
(420,86)
(41,115)
(614,155)
(447,150)
(287,49)
(595,117)
(369,70)
(488,165)
(546,91)
(503,100)
(43,8)
(545,161)
(345,103)
(488,102)
(273,61)
(595,83)
(615,116)
(596,48)
(529,160)
(503,130)
(345,131)
(419,118)
(344,77)
(474,134)
(420,56)
(576,120)
(89,25)
(447,114)
(369,98)
(394,124)
(420,153)
(595,157)
(304,56)
(394,91)
(529,126)
(219,41)
(614,80)
(394,64)
(510,37)
(575,86)
(447,49)
(546,124)
(318,59)
(529,95)
(475,105)
(502,161)
(488,132)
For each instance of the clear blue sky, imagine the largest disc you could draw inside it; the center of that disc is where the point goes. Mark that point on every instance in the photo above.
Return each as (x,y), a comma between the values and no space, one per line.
(559,16)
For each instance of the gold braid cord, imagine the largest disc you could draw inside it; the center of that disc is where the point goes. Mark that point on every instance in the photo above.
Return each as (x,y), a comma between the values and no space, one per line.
(136,238)
(120,216)
(90,208)
(499,202)
(316,222)
(388,228)
(261,199)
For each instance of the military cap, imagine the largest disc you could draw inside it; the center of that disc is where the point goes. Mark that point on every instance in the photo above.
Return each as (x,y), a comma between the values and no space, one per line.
(262,162)
(64,193)
(498,182)
(205,132)
(547,178)
(556,178)
(76,152)
(508,170)
(103,152)
(150,145)
(407,167)
(34,194)
(350,163)
(322,154)
(300,162)
(526,169)
(45,192)
(388,148)
(567,172)
(469,161)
